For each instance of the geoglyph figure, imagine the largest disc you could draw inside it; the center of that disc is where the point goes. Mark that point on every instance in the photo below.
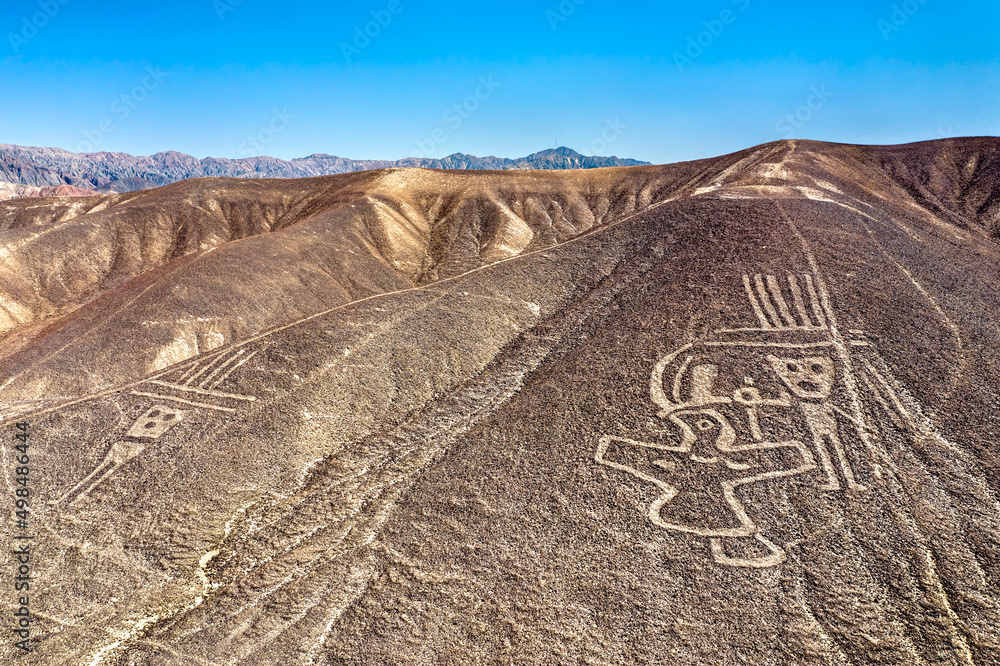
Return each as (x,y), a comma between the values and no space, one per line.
(772,403)
(179,393)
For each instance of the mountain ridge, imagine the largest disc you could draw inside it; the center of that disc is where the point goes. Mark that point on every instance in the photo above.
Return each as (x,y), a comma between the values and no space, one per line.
(367,232)
(107,172)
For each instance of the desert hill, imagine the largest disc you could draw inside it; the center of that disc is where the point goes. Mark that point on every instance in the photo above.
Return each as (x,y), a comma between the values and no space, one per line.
(202,263)
(737,410)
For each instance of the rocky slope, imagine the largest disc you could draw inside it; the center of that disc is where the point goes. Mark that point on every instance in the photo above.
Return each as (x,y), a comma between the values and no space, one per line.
(739,410)
(166,261)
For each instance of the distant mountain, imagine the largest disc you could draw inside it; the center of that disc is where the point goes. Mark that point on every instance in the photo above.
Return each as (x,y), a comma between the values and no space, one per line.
(16,191)
(120,172)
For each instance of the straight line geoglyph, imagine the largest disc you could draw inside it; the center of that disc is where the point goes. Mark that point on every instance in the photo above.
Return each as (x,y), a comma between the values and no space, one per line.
(182,401)
(192,389)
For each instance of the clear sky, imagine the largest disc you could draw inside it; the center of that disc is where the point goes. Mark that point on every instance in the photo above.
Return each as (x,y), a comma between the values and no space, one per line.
(658,81)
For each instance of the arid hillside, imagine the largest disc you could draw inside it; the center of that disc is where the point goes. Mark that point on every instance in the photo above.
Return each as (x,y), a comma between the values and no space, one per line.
(202,263)
(742,410)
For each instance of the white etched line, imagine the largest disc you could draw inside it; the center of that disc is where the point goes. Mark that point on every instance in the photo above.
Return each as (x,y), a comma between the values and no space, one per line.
(755,430)
(768,330)
(196,364)
(680,376)
(105,468)
(764,323)
(786,345)
(236,367)
(112,468)
(867,378)
(779,300)
(187,373)
(814,298)
(182,401)
(199,391)
(206,367)
(222,357)
(888,390)
(800,304)
(222,366)
(656,393)
(766,301)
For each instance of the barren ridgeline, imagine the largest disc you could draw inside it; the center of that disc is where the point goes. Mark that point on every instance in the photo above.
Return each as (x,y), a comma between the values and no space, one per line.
(738,410)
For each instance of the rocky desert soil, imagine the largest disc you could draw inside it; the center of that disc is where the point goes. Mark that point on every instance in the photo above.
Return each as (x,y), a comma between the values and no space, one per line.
(742,410)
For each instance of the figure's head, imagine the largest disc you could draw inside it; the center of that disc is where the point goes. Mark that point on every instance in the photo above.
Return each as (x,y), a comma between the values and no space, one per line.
(808,377)
(704,432)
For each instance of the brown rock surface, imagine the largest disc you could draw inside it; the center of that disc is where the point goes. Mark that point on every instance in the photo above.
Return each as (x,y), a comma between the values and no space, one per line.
(741,410)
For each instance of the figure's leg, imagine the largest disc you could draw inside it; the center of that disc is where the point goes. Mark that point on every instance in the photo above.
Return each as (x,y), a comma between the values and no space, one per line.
(81,489)
(838,446)
(120,453)
(818,421)
(96,482)
(832,482)
(823,425)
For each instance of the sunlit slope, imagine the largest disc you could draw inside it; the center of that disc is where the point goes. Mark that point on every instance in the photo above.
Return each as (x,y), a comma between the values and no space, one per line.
(202,263)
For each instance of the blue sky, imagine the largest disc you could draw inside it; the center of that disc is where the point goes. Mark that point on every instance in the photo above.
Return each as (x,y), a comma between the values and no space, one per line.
(658,81)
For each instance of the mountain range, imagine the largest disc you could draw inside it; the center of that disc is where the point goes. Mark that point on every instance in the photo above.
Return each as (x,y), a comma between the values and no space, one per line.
(25,171)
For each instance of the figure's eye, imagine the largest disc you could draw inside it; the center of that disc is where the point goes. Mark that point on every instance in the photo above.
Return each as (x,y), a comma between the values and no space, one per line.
(817,369)
(793,367)
(705,424)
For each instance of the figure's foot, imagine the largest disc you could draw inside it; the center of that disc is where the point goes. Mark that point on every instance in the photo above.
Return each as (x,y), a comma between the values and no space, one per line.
(774,557)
